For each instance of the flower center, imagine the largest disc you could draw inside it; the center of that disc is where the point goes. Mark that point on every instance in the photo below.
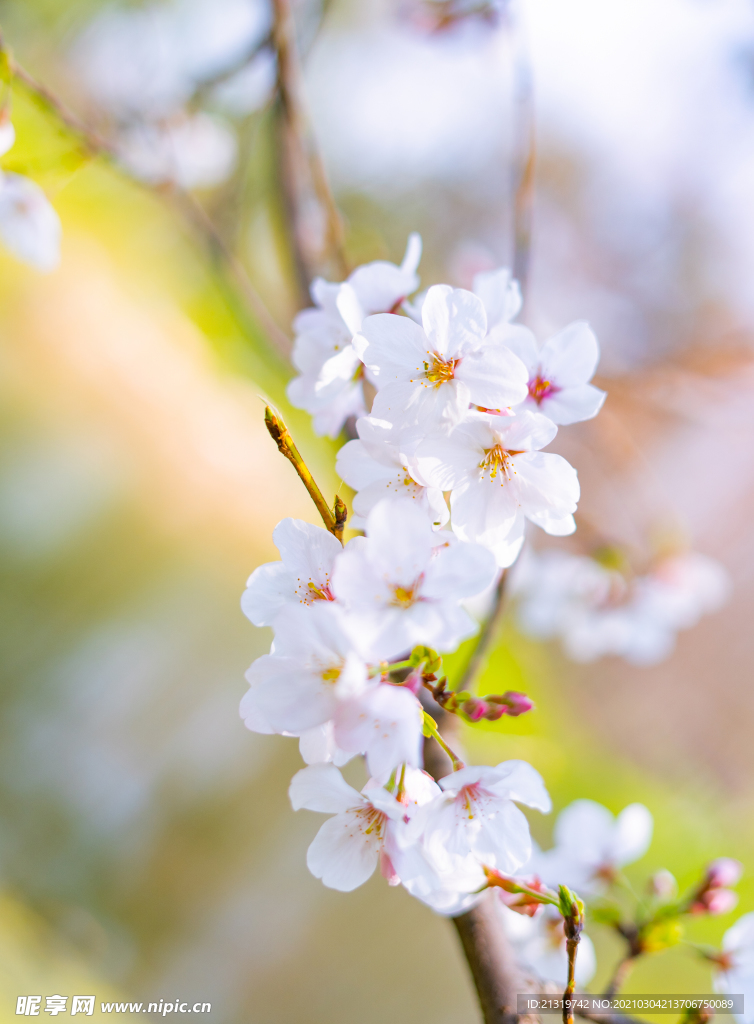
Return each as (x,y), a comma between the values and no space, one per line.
(498,460)
(467,799)
(539,389)
(373,821)
(316,593)
(404,597)
(332,674)
(440,371)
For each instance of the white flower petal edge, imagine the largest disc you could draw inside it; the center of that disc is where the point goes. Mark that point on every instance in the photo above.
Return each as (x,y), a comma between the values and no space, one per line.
(303,576)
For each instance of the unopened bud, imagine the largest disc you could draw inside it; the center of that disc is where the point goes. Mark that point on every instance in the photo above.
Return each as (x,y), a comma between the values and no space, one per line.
(714,901)
(513,702)
(414,681)
(723,872)
(663,885)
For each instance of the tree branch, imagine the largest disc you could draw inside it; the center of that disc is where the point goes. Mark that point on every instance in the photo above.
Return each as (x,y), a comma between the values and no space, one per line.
(315,225)
(97,146)
(487,637)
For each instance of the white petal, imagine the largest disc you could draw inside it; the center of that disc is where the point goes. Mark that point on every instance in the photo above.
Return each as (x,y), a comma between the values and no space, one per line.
(357,467)
(308,552)
(523,344)
(386,723)
(350,308)
(268,589)
(393,347)
(633,834)
(342,855)
(495,377)
(317,746)
(413,254)
(454,320)
(556,526)
(546,482)
(29,226)
(321,787)
(584,828)
(519,781)
(500,294)
(459,571)
(253,718)
(570,357)
(572,405)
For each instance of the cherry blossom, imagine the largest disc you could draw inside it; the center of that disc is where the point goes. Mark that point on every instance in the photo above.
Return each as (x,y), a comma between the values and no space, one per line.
(304,575)
(501,295)
(385,724)
(329,385)
(499,478)
(29,225)
(362,833)
(430,374)
(476,822)
(312,667)
(597,610)
(375,467)
(192,151)
(591,846)
(540,945)
(404,583)
(559,373)
(734,974)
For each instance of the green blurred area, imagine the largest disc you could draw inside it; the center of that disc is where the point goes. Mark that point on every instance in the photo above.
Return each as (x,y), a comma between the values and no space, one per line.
(147,846)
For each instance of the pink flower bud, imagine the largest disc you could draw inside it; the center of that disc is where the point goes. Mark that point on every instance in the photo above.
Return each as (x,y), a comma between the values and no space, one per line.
(715,901)
(723,872)
(413,681)
(387,870)
(663,885)
(517,703)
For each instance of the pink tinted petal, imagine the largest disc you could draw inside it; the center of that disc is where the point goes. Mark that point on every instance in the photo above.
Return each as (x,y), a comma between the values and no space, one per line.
(342,855)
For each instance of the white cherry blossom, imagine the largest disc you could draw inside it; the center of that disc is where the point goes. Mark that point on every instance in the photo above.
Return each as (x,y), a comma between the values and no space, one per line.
(329,385)
(597,610)
(404,583)
(376,468)
(385,724)
(192,151)
(312,667)
(476,822)
(431,374)
(29,225)
(303,576)
(498,478)
(362,833)
(735,970)
(540,945)
(559,373)
(501,295)
(591,846)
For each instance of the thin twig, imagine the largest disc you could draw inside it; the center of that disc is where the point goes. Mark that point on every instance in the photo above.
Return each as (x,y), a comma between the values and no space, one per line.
(487,637)
(318,247)
(619,975)
(525,152)
(97,146)
(335,518)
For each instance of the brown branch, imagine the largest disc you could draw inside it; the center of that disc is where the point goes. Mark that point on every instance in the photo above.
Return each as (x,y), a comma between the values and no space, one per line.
(315,226)
(524,161)
(619,975)
(487,637)
(97,146)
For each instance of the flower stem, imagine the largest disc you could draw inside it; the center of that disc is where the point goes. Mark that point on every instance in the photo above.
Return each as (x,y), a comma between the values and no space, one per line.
(430,729)
(334,519)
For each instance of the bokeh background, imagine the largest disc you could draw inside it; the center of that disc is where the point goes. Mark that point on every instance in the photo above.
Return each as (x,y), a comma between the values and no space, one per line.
(147,847)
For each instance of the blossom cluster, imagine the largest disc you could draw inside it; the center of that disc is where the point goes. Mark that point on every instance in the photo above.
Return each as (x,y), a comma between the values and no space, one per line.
(29,226)
(172,77)
(596,607)
(465,400)
(453,403)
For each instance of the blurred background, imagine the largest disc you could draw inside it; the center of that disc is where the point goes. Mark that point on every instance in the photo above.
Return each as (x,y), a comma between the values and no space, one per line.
(147,846)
